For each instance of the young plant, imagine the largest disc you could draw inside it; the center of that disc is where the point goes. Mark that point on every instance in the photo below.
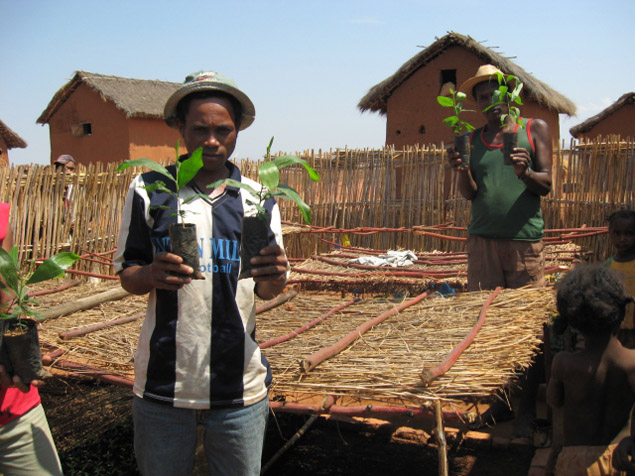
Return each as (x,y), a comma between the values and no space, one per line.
(183,238)
(458,125)
(19,342)
(14,281)
(185,172)
(506,96)
(255,229)
(269,177)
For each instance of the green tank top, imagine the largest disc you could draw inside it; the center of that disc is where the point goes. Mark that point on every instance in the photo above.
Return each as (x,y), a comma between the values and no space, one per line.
(503,208)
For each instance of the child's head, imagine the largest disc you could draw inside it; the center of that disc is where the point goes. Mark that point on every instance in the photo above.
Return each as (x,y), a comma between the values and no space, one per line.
(622,232)
(591,298)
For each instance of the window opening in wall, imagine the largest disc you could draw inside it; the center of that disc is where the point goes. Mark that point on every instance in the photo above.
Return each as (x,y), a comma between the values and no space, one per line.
(447,76)
(82,129)
(422,129)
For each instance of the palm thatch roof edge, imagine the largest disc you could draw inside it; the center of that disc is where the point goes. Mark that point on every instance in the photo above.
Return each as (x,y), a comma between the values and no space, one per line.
(377,97)
(590,123)
(10,138)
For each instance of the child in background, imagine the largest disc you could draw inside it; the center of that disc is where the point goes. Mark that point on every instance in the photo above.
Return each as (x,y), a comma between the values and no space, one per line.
(594,390)
(622,236)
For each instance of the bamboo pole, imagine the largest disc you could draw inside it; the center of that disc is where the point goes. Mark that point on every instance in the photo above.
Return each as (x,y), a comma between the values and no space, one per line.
(84,303)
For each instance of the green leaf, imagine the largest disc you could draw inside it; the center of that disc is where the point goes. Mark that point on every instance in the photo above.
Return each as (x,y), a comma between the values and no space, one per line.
(234,183)
(269,175)
(460,96)
(445,101)
(189,168)
(450,121)
(289,193)
(286,160)
(9,270)
(158,185)
(13,252)
(269,149)
(151,164)
(53,267)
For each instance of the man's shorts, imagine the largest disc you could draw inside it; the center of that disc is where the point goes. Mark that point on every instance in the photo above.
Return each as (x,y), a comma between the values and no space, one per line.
(505,263)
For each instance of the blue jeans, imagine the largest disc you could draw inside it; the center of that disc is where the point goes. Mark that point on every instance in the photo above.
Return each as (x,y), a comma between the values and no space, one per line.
(165,438)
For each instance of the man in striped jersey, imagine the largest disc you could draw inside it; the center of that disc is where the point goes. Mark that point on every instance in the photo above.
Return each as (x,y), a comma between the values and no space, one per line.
(197,362)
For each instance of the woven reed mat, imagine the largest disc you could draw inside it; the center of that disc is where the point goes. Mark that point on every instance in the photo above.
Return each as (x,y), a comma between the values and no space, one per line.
(384,364)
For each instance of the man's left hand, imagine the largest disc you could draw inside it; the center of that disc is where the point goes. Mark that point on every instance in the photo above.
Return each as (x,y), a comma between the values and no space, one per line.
(271,265)
(521,160)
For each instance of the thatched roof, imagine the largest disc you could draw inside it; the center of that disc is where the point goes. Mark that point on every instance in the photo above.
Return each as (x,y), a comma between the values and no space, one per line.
(377,97)
(135,97)
(586,126)
(11,138)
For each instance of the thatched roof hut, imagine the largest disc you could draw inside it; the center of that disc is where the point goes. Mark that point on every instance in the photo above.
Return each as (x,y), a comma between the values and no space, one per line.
(134,97)
(103,118)
(376,98)
(618,118)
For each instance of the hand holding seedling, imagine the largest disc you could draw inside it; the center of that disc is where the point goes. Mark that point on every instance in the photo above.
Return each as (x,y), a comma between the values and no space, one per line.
(269,271)
(521,161)
(168,272)
(455,161)
(7,382)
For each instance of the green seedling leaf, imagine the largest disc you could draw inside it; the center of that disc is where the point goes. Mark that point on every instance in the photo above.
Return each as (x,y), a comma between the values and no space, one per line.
(450,121)
(13,253)
(445,101)
(461,96)
(9,270)
(234,183)
(158,185)
(151,164)
(284,191)
(268,154)
(269,175)
(189,168)
(286,160)
(53,267)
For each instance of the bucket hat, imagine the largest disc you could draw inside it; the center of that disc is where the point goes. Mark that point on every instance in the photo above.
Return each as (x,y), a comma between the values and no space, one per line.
(209,81)
(483,73)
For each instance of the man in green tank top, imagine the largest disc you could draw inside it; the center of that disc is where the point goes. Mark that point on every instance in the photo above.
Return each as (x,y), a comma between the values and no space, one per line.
(506,228)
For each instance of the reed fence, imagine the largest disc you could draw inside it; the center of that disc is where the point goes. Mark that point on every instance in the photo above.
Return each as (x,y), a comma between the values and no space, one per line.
(379,199)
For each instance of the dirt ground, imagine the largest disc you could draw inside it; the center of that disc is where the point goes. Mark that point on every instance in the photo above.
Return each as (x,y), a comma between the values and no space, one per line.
(92,428)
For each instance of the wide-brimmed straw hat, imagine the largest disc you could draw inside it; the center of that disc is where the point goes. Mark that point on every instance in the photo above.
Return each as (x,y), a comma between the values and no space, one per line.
(484,73)
(209,81)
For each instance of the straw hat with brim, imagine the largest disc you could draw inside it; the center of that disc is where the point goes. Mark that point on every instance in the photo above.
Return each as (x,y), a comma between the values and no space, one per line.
(483,74)
(209,81)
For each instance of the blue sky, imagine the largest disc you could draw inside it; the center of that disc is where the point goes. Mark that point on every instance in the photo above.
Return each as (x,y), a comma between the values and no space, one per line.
(304,63)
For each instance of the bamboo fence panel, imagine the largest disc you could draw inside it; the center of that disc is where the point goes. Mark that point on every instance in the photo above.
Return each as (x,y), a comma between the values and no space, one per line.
(362,188)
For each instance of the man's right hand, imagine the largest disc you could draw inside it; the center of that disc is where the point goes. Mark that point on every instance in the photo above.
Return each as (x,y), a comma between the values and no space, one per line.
(454,159)
(166,271)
